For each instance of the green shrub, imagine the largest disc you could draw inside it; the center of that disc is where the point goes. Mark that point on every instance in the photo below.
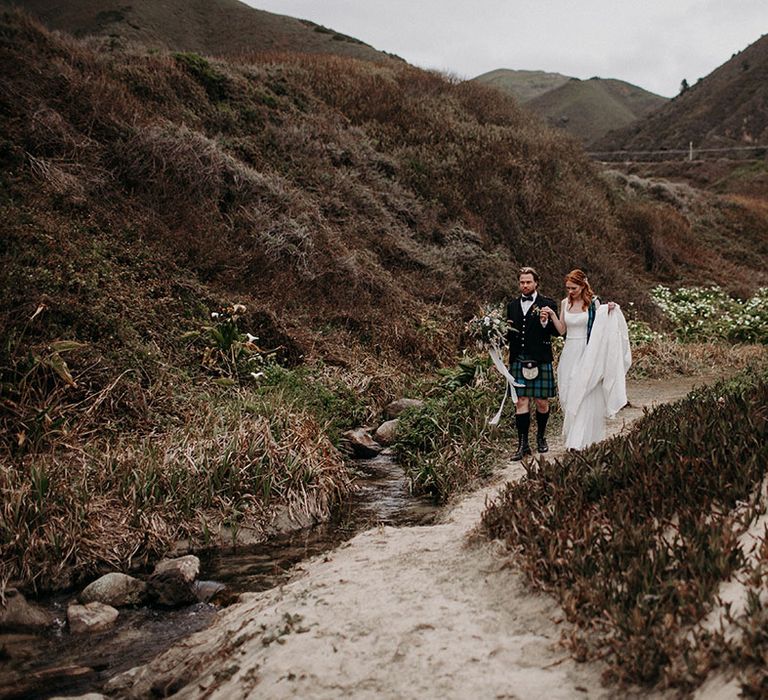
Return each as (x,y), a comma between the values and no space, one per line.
(226,351)
(335,405)
(214,82)
(641,333)
(447,444)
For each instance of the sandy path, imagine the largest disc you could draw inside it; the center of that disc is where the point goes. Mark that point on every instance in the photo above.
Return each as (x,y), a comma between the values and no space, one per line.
(412,612)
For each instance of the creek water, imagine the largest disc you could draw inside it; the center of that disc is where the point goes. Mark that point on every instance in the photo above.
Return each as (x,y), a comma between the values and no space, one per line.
(59,663)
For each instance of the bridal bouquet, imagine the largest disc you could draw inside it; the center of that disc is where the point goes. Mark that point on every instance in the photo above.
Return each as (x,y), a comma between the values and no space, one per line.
(489,331)
(489,328)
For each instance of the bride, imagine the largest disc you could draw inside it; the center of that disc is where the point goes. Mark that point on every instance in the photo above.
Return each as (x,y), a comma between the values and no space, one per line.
(594,361)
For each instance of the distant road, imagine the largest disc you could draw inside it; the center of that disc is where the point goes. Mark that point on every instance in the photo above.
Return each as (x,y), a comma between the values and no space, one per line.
(677,154)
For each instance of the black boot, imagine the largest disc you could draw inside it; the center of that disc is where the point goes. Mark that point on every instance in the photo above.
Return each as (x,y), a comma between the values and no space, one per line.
(523,423)
(523,449)
(541,428)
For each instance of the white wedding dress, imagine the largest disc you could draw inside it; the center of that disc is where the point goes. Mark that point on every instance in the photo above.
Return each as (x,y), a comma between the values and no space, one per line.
(592,376)
(589,423)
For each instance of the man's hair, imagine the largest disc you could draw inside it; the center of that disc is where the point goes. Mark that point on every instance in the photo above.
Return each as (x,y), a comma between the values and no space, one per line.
(528,271)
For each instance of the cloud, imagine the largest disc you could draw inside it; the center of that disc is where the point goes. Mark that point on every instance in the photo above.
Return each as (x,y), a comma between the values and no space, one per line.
(653,44)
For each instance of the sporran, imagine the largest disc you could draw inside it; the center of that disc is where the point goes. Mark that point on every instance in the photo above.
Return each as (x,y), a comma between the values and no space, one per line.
(530,369)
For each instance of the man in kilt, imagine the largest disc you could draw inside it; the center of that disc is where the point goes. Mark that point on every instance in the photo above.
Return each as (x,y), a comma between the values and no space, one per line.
(530,359)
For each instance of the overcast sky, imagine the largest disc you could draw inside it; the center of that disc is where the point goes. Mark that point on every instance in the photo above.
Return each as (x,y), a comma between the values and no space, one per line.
(653,44)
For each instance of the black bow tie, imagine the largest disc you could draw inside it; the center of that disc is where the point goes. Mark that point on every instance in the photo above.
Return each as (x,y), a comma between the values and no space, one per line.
(526,298)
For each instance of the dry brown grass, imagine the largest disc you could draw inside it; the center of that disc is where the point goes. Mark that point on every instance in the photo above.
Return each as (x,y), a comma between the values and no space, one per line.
(666,358)
(118,505)
(361,212)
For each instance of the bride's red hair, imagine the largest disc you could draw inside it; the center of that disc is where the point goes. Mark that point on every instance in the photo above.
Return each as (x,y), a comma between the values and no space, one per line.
(578,277)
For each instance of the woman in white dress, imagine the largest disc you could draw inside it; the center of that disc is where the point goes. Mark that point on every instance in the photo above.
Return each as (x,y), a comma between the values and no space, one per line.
(590,383)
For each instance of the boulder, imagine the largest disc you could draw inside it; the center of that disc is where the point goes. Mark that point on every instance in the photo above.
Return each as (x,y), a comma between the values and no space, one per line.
(172,583)
(18,613)
(361,442)
(92,617)
(288,519)
(171,588)
(387,432)
(395,408)
(115,589)
(187,567)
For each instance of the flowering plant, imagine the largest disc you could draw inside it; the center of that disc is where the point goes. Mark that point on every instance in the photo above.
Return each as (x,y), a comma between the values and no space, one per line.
(710,313)
(227,351)
(489,328)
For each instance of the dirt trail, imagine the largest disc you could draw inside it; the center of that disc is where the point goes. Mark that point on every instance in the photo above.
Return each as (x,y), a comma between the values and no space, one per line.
(413,612)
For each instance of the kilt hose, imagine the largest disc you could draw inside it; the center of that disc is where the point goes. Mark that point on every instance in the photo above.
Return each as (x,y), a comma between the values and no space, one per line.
(543,387)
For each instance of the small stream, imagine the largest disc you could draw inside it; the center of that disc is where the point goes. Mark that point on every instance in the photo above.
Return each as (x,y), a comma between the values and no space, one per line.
(58,663)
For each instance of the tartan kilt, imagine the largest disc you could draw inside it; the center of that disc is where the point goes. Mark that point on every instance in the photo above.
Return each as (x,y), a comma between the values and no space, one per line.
(543,387)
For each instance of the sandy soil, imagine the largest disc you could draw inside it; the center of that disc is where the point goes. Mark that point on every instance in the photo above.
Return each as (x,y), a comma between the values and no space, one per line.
(413,612)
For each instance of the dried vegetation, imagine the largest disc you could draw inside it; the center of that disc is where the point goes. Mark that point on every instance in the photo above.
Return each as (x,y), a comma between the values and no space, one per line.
(635,535)
(359,211)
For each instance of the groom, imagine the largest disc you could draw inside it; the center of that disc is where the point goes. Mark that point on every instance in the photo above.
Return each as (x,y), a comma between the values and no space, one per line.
(530,359)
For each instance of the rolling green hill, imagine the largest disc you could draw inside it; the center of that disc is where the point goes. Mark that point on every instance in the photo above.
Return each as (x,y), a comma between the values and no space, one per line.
(523,85)
(587,109)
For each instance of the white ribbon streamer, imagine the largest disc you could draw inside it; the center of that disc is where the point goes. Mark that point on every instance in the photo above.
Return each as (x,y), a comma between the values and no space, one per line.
(495,353)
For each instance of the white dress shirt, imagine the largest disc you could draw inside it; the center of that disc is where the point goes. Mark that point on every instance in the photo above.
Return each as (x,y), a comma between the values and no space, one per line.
(526,305)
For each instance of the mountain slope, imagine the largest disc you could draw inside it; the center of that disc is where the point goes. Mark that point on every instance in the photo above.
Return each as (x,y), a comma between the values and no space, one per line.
(212,27)
(338,199)
(360,211)
(587,109)
(729,107)
(523,85)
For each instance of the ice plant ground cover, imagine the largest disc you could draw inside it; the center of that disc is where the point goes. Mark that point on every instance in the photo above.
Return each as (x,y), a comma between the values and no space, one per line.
(635,534)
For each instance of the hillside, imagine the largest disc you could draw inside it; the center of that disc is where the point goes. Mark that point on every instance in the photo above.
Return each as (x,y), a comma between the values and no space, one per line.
(587,109)
(361,212)
(349,216)
(729,107)
(214,27)
(211,268)
(523,85)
